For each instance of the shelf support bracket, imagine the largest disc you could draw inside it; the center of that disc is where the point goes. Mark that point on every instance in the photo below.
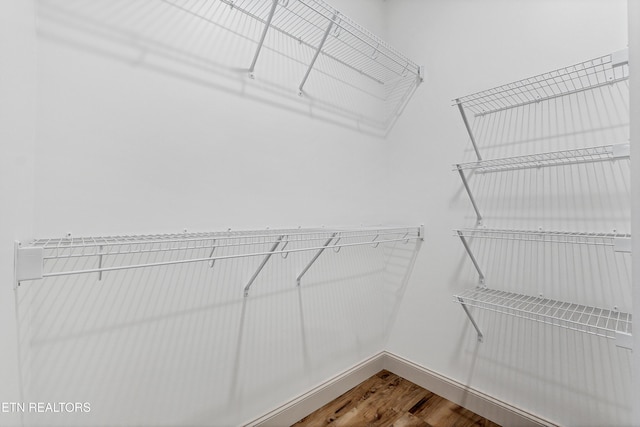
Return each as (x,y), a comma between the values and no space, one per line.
(473,200)
(315,56)
(471,319)
(473,258)
(315,257)
(213,248)
(28,263)
(267,24)
(100,249)
(466,124)
(262,264)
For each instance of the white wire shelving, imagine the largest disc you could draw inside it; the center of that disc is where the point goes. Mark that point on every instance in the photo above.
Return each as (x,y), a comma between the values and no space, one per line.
(574,316)
(594,73)
(597,72)
(334,42)
(556,158)
(43,258)
(621,242)
(332,34)
(592,320)
(553,158)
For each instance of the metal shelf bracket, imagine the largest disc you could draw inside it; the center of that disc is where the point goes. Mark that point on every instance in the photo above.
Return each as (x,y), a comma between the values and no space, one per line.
(315,257)
(468,127)
(267,24)
(473,200)
(28,263)
(262,264)
(315,56)
(472,320)
(473,258)
(624,340)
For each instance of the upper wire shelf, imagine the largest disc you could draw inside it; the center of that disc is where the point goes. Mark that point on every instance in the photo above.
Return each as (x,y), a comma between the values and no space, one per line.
(592,320)
(597,72)
(554,158)
(44,258)
(349,44)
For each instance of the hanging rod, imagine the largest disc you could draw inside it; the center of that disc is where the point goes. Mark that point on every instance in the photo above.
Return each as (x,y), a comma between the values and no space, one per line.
(34,261)
(591,74)
(578,317)
(621,242)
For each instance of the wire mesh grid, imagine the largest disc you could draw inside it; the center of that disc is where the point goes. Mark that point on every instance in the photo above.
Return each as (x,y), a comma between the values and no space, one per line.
(357,64)
(564,81)
(245,243)
(578,317)
(566,237)
(554,158)
(351,45)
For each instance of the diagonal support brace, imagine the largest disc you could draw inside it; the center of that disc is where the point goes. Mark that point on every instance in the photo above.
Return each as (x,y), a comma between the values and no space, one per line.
(267,24)
(473,200)
(262,264)
(315,56)
(473,258)
(466,125)
(315,257)
(471,319)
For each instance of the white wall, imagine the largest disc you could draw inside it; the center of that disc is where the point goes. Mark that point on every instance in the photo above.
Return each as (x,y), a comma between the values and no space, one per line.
(469,46)
(17,116)
(634,58)
(145,124)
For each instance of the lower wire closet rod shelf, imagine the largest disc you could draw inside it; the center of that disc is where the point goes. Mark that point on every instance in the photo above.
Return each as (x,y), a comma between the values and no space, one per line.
(44,258)
(577,317)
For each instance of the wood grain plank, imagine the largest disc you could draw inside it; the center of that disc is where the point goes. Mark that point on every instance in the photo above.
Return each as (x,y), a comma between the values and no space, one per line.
(387,400)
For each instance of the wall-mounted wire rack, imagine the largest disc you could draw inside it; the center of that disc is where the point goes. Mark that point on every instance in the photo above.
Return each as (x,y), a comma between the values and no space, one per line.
(596,321)
(554,158)
(339,41)
(43,258)
(605,70)
(591,74)
(578,317)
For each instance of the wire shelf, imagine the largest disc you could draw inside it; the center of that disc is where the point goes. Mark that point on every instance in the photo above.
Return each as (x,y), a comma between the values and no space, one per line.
(592,320)
(554,158)
(564,237)
(114,253)
(348,44)
(605,70)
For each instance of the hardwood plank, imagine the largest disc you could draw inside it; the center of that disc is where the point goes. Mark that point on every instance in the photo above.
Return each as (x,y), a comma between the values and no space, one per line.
(409,420)
(387,400)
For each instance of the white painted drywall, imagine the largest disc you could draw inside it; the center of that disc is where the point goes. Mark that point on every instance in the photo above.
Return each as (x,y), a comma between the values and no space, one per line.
(469,46)
(17,117)
(634,58)
(125,118)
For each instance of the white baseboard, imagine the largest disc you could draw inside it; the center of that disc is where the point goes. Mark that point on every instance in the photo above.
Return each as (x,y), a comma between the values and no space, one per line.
(317,397)
(482,404)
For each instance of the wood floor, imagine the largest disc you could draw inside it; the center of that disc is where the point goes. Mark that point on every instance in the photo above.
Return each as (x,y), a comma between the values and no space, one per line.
(387,400)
